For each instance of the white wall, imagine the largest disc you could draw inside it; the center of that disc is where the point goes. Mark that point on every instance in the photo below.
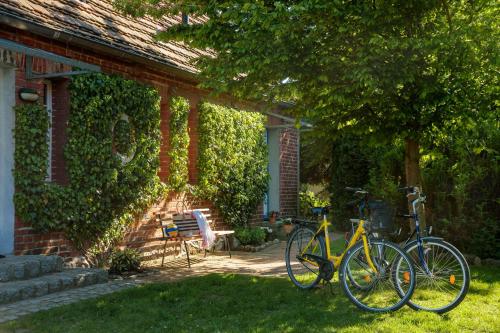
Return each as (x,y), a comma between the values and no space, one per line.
(7,120)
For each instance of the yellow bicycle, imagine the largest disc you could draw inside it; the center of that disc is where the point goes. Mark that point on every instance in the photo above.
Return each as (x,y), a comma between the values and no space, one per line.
(376,275)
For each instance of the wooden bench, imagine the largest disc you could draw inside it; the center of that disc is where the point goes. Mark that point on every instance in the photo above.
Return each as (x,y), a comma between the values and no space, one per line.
(188,230)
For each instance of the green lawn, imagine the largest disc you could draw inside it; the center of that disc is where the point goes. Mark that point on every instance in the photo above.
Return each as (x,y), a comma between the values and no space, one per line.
(239,303)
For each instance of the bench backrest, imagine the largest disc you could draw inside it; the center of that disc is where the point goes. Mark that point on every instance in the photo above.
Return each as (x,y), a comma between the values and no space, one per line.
(186,223)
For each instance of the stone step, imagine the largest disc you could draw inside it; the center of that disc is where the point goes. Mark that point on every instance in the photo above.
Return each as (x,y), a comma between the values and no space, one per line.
(26,267)
(71,278)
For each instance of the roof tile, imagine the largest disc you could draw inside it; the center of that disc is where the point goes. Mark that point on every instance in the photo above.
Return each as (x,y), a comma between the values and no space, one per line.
(97,20)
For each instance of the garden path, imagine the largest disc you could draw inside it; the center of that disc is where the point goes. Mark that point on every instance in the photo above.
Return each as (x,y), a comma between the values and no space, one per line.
(268,262)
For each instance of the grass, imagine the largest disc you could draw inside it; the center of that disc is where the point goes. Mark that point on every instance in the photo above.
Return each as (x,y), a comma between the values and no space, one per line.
(240,303)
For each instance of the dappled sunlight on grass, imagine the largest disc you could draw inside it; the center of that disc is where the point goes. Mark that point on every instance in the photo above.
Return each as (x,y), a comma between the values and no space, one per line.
(243,303)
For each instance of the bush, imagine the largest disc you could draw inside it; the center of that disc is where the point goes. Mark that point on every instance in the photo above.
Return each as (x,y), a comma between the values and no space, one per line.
(127,260)
(232,161)
(309,199)
(251,236)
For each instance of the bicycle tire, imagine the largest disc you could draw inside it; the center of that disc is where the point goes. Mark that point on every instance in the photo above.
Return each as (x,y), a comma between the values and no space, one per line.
(389,269)
(454,258)
(302,274)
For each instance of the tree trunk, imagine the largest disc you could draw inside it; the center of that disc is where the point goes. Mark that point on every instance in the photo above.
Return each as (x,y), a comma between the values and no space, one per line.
(412,173)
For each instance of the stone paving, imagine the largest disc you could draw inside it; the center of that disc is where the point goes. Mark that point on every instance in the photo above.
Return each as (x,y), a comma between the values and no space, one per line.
(13,311)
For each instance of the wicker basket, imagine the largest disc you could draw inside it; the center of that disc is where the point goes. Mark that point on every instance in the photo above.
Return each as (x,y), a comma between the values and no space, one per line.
(381,216)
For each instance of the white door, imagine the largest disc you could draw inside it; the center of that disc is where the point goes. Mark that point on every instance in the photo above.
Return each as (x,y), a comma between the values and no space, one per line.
(7,101)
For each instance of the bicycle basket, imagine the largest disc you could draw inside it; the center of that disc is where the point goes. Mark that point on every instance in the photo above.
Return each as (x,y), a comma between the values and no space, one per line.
(381,216)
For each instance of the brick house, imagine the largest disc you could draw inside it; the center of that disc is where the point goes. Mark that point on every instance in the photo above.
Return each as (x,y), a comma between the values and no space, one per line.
(40,44)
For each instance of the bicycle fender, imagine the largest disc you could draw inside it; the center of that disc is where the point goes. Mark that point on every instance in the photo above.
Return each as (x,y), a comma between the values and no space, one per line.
(423,239)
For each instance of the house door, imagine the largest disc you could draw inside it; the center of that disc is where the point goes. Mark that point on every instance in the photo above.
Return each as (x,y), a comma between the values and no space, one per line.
(7,101)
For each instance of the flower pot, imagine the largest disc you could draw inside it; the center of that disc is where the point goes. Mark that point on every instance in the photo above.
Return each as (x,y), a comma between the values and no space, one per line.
(288,228)
(272,217)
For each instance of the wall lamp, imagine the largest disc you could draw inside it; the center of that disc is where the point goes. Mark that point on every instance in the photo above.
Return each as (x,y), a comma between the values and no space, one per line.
(28,95)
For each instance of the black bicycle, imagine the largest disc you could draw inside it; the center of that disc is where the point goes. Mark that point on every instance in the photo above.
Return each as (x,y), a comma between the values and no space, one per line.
(443,275)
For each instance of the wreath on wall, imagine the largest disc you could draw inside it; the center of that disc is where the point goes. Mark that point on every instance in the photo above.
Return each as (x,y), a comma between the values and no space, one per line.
(112,157)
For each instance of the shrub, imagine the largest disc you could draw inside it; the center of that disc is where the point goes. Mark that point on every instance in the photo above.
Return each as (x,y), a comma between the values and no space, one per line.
(309,199)
(251,236)
(122,261)
(232,161)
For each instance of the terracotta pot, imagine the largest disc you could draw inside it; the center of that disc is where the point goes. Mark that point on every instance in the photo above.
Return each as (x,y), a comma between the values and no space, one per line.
(272,217)
(288,228)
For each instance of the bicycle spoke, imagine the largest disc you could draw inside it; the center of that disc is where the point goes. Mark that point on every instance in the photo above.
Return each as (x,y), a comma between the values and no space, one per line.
(447,282)
(376,290)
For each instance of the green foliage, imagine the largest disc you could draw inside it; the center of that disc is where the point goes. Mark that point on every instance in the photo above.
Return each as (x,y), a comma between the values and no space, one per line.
(179,143)
(394,68)
(350,167)
(309,199)
(391,69)
(122,261)
(110,193)
(250,236)
(124,137)
(37,201)
(232,161)
(461,178)
(103,194)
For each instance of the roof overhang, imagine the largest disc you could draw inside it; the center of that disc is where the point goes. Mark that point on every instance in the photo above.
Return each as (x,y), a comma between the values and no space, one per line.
(29,52)
(67,37)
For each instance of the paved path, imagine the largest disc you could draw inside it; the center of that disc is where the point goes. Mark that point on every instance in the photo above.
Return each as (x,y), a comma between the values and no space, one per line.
(15,310)
(269,262)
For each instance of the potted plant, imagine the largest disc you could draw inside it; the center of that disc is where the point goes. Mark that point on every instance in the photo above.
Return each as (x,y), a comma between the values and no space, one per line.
(273,216)
(287,225)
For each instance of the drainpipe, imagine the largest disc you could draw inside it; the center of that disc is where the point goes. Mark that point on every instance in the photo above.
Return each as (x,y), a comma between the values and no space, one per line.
(298,173)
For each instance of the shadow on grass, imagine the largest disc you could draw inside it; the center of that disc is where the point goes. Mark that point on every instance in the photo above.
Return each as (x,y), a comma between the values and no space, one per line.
(244,303)
(484,277)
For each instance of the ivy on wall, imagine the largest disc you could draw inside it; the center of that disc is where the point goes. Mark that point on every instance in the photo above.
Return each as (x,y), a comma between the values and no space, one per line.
(41,203)
(232,161)
(179,144)
(107,192)
(104,193)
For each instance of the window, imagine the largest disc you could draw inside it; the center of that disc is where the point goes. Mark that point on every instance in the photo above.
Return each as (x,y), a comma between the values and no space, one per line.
(48,105)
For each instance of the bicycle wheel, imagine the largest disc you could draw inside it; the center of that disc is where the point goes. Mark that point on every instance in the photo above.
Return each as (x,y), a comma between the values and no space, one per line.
(386,289)
(303,272)
(447,282)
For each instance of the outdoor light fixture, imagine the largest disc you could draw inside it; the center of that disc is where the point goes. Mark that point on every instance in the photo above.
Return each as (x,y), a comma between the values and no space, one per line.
(28,95)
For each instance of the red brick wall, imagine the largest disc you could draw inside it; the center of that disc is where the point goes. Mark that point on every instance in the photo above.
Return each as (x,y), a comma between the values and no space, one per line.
(289,172)
(145,228)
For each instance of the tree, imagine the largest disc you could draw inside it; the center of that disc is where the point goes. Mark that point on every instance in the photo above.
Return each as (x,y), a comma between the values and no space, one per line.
(384,68)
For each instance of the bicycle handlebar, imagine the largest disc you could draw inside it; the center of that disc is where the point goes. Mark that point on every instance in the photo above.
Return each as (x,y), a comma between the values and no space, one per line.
(356,190)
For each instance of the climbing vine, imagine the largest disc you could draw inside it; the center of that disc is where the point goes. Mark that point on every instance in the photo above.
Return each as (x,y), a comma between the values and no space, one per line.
(103,193)
(179,143)
(41,203)
(232,161)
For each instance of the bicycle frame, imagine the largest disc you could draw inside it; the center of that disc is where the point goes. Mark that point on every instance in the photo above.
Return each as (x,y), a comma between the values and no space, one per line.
(336,260)
(419,199)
